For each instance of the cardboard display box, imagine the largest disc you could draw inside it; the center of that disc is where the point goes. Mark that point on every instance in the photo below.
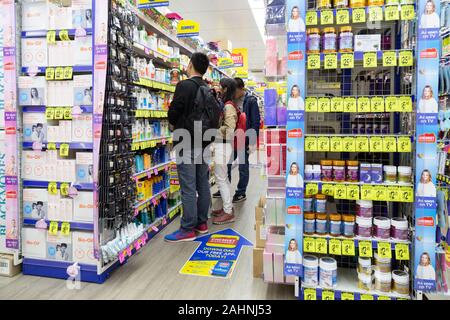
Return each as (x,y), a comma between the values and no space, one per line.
(258,262)
(7,267)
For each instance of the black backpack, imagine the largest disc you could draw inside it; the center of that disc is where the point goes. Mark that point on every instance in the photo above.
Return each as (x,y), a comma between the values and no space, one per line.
(206,109)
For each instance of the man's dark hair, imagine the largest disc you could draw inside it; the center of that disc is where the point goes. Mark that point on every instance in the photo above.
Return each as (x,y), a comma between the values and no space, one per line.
(40,125)
(64,245)
(240,83)
(200,62)
(40,202)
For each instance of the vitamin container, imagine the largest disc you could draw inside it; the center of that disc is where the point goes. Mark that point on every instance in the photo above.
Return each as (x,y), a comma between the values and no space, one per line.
(313,41)
(317,171)
(357,3)
(310,271)
(364,208)
(321,223)
(364,227)
(365,281)
(404,175)
(329,40)
(310,223)
(335,225)
(346,39)
(348,225)
(309,172)
(353,171)
(399,229)
(327,170)
(321,203)
(376,171)
(338,170)
(375,2)
(390,174)
(323,4)
(327,273)
(365,265)
(340,3)
(308,204)
(382,264)
(400,283)
(383,281)
(365,173)
(382,227)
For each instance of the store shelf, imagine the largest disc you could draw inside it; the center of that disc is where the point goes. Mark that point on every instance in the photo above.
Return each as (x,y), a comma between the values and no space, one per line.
(76,69)
(319,182)
(44,184)
(143,204)
(41,109)
(151,171)
(357,239)
(148,83)
(72,145)
(43,33)
(151,143)
(347,282)
(85,226)
(175,207)
(146,113)
(156,56)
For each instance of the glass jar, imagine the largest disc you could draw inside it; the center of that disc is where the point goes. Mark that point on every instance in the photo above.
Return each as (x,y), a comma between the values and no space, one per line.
(390,174)
(346,39)
(365,265)
(338,170)
(340,3)
(327,170)
(401,282)
(335,225)
(383,281)
(348,225)
(404,175)
(310,223)
(364,208)
(382,264)
(308,204)
(365,281)
(399,229)
(382,227)
(313,41)
(357,3)
(323,4)
(352,171)
(321,203)
(321,223)
(364,227)
(375,2)
(329,40)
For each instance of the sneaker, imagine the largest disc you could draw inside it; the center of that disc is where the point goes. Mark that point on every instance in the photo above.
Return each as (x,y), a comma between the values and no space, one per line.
(217,195)
(202,228)
(224,218)
(181,235)
(217,212)
(239,198)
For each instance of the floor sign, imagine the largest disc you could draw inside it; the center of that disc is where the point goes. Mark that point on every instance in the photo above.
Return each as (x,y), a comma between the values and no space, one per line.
(217,254)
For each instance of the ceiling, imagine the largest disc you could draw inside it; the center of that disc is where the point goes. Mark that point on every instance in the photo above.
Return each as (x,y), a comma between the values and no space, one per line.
(240,21)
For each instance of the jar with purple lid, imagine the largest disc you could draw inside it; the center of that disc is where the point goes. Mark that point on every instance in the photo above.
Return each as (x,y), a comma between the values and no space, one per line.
(382,227)
(364,227)
(339,170)
(399,229)
(364,208)
(326,170)
(309,172)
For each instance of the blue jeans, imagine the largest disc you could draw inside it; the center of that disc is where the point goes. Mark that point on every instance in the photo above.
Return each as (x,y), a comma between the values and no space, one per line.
(244,173)
(194,179)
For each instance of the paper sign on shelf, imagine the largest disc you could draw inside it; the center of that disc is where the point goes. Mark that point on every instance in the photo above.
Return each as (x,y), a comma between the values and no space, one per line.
(188,28)
(144,4)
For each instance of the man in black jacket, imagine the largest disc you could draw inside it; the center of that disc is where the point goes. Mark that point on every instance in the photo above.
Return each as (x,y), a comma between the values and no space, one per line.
(193,175)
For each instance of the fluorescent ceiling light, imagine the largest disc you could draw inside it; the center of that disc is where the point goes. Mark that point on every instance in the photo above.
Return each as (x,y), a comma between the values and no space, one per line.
(259,14)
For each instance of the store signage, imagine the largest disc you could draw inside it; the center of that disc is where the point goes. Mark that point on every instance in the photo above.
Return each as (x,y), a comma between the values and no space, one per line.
(187,29)
(217,254)
(240,58)
(144,4)
(225,63)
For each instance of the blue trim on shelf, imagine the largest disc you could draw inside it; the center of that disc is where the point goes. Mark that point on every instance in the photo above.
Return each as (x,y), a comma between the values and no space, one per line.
(41,109)
(338,294)
(72,145)
(142,203)
(44,184)
(75,69)
(43,33)
(73,225)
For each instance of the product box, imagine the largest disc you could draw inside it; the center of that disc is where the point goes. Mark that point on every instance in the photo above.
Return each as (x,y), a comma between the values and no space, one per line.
(7,267)
(61,54)
(84,167)
(34,15)
(268,266)
(376,172)
(274,247)
(83,247)
(35,203)
(365,173)
(261,234)
(60,93)
(60,17)
(33,165)
(34,127)
(32,91)
(276,234)
(367,42)
(83,207)
(257,262)
(34,243)
(82,53)
(82,18)
(60,209)
(259,209)
(59,247)
(82,128)
(82,90)
(34,52)
(278,267)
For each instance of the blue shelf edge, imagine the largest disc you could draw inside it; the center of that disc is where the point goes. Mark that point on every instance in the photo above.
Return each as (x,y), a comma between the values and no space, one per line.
(41,109)
(85,226)
(43,33)
(44,184)
(72,145)
(75,69)
(338,294)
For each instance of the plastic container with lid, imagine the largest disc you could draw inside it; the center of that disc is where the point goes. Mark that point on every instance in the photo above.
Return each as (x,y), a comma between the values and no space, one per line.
(382,227)
(364,208)
(321,223)
(375,2)
(317,171)
(340,3)
(364,227)
(365,265)
(335,225)
(365,173)
(308,204)
(323,4)
(310,270)
(310,223)
(390,174)
(339,170)
(346,39)
(399,229)
(313,41)
(309,172)
(400,282)
(404,175)
(352,171)
(321,203)
(382,264)
(348,225)
(357,3)
(383,281)
(329,40)
(327,273)
(327,170)
(365,281)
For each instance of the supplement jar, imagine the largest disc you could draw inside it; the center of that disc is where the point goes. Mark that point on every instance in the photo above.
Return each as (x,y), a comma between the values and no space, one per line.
(335,225)
(309,172)
(327,170)
(401,282)
(357,3)
(329,40)
(346,39)
(404,175)
(364,227)
(390,174)
(317,171)
(353,171)
(399,229)
(349,225)
(365,265)
(365,173)
(376,171)
(327,273)
(310,271)
(365,281)
(321,223)
(308,204)
(321,203)
(313,41)
(338,170)
(382,227)
(382,264)
(383,281)
(310,223)
(364,208)
(340,3)
(323,4)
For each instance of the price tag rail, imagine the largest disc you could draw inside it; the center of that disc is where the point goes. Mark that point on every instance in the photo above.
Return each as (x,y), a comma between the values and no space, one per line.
(148,83)
(73,225)
(159,167)
(72,145)
(43,33)
(41,109)
(320,183)
(141,145)
(41,70)
(146,203)
(44,184)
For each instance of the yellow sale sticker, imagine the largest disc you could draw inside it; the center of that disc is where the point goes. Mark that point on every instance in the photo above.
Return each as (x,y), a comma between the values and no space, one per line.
(330,61)
(377,104)
(327,295)
(347,296)
(310,294)
(323,144)
(49,74)
(64,35)
(391,104)
(407,194)
(384,250)
(311,18)
(405,58)
(363,104)
(50,113)
(53,188)
(323,105)
(348,248)
(310,144)
(349,144)
(393,194)
(376,144)
(311,104)
(359,15)
(347,60)
(404,144)
(64,188)
(389,59)
(336,144)
(53,228)
(350,104)
(367,192)
(362,144)
(401,251)
(312,189)
(352,192)
(365,249)
(65,228)
(335,247)
(405,104)
(313,61)
(340,191)
(407,12)
(328,189)
(309,245)
(326,17)
(367,297)
(391,13)
(337,104)
(343,16)
(64,150)
(375,13)
(380,193)
(370,60)
(389,144)
(321,246)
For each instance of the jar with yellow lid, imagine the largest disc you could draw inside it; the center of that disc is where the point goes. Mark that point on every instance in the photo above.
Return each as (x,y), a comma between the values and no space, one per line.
(321,223)
(335,224)
(352,171)
(313,41)
(339,170)
(346,39)
(323,4)
(348,225)
(329,40)
(375,2)
(327,170)
(340,3)
(321,203)
(309,223)
(357,3)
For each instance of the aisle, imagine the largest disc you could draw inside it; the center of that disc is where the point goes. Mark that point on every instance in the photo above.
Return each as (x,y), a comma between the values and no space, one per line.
(153,274)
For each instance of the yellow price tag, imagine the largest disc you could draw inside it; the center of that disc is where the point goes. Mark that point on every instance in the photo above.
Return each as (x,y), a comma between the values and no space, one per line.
(350,104)
(407,194)
(349,144)
(370,60)
(309,245)
(405,58)
(405,104)
(327,295)
(404,144)
(352,192)
(376,144)
(311,18)
(348,248)
(59,73)
(49,73)
(51,146)
(401,251)
(328,189)
(347,60)
(59,113)
(383,298)
(391,13)
(365,249)
(310,144)
(312,189)
(311,104)
(51,37)
(375,14)
(53,228)
(68,73)
(67,114)
(340,191)
(65,228)
(326,17)
(391,104)
(380,193)
(330,61)
(367,297)
(342,16)
(321,246)
(384,250)
(393,194)
(337,104)
(309,294)
(323,105)
(336,144)
(50,113)
(389,59)
(335,247)
(64,188)
(313,61)
(323,144)
(359,15)
(377,104)
(64,150)
(347,296)
(363,104)
(408,12)
(367,192)
(52,188)
(362,144)
(64,35)
(389,144)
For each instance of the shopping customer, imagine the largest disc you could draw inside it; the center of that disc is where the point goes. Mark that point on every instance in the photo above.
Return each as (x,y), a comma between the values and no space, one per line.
(193,172)
(223,151)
